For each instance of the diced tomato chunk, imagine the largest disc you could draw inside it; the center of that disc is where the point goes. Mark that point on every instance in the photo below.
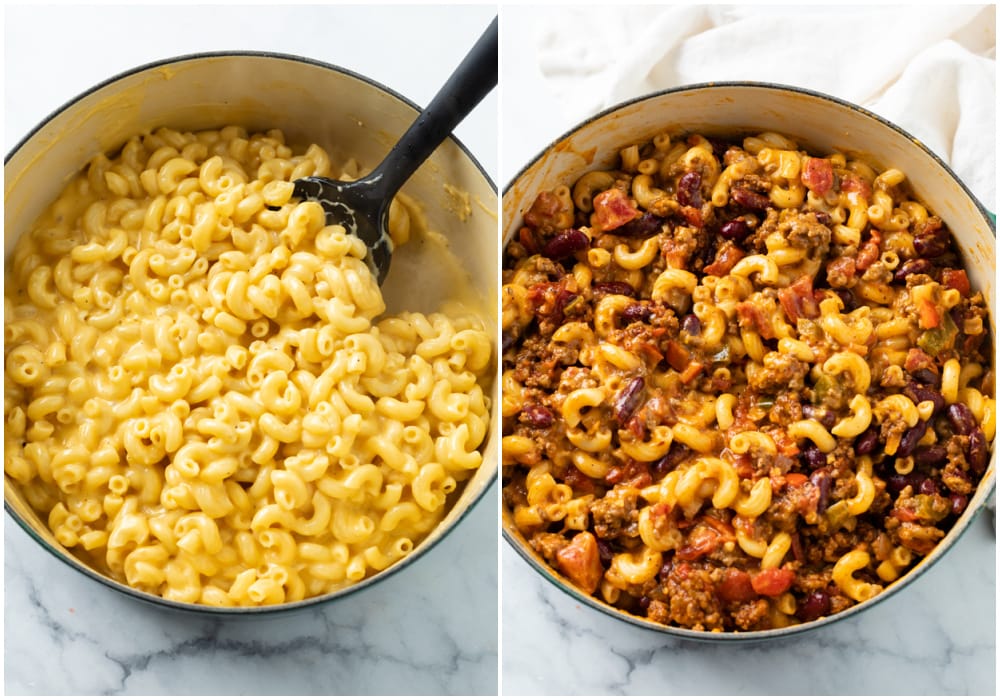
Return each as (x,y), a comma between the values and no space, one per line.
(751,314)
(693,216)
(612,208)
(743,465)
(580,560)
(797,300)
(548,213)
(907,515)
(956,279)
(787,445)
(735,587)
(772,582)
(702,540)
(853,183)
(840,271)
(720,526)
(917,359)
(725,259)
(817,175)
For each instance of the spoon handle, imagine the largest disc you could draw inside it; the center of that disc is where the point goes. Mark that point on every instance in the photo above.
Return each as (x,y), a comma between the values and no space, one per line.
(474,78)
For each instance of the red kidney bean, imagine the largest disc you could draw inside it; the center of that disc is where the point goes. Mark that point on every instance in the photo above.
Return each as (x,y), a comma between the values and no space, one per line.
(978,452)
(867,255)
(930,455)
(957,316)
(508,340)
(847,297)
(917,266)
(910,439)
(815,606)
(719,147)
(814,457)
(962,420)
(958,503)
(822,480)
(635,312)
(798,554)
(668,462)
(749,199)
(897,482)
(614,287)
(926,375)
(867,441)
(638,428)
(928,487)
(667,568)
(823,218)
(823,415)
(628,399)
(691,325)
(644,602)
(919,393)
(643,227)
(564,244)
(689,190)
(932,244)
(735,230)
(537,416)
(604,552)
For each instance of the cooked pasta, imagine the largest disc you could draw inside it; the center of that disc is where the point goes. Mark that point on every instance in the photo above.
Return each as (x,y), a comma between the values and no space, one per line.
(764,370)
(204,399)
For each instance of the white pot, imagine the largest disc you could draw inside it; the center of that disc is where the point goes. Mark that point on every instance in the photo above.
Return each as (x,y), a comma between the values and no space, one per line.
(818,123)
(311,102)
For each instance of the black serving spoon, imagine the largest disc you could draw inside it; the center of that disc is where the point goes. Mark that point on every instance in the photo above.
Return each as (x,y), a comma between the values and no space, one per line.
(362,206)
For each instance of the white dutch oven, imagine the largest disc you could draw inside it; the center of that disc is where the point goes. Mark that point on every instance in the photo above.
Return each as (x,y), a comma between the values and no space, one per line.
(820,124)
(311,102)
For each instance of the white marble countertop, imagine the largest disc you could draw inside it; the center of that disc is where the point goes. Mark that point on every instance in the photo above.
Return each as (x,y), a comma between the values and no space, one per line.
(431,629)
(937,636)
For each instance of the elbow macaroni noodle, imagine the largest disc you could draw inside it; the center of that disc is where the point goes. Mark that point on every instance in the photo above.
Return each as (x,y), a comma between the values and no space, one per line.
(203,397)
(761,374)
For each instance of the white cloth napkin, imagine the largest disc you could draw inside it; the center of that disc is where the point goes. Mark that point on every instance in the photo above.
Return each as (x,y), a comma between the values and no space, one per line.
(929,69)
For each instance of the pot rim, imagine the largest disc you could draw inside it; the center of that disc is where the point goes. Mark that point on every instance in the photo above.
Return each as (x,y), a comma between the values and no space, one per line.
(989,216)
(267,610)
(201,55)
(987,484)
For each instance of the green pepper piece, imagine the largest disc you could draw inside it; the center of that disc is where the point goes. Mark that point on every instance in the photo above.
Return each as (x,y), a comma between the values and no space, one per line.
(572,307)
(936,340)
(821,388)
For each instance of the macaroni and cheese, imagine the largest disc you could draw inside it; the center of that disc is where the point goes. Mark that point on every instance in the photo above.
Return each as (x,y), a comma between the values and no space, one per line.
(744,386)
(203,397)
